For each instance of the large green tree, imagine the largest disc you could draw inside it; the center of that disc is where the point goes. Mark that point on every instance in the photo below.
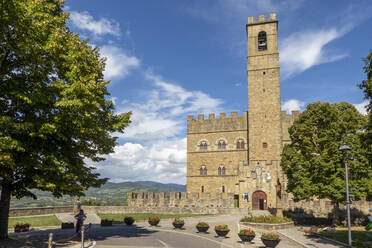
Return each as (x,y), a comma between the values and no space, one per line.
(312,162)
(366,85)
(54,106)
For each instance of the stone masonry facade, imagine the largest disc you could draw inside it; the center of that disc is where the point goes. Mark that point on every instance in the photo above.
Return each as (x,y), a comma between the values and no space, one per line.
(239,156)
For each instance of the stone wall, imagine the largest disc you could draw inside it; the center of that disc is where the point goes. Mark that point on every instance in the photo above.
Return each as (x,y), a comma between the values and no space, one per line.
(321,211)
(15,212)
(179,199)
(162,210)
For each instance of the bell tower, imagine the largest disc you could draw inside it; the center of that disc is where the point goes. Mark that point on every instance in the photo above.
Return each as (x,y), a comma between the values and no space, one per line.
(264,111)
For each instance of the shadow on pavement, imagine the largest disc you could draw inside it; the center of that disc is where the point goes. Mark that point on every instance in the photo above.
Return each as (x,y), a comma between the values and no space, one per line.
(117,231)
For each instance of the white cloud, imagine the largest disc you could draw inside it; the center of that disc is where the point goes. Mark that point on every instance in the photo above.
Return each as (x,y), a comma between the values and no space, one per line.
(300,51)
(162,161)
(163,110)
(362,107)
(157,134)
(118,63)
(84,21)
(292,104)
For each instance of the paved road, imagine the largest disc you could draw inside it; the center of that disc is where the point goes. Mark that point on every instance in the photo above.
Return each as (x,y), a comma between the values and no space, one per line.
(165,236)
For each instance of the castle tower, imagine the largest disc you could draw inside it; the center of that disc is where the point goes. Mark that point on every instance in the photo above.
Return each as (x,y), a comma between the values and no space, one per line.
(264,111)
(263,89)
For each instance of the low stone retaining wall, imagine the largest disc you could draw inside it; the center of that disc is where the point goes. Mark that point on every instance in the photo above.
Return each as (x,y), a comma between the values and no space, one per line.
(269,226)
(162,210)
(15,212)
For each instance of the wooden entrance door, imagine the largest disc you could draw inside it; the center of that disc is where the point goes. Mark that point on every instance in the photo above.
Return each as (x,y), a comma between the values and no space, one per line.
(259,200)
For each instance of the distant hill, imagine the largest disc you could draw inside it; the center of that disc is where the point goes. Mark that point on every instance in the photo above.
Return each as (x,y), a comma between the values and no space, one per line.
(109,194)
(171,187)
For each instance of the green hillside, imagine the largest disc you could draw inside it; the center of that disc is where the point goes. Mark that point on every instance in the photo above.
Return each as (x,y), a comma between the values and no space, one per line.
(109,194)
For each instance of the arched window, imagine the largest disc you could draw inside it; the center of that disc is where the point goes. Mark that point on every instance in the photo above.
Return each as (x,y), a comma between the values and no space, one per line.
(221,145)
(223,189)
(264,145)
(203,171)
(240,145)
(262,41)
(221,170)
(202,189)
(203,146)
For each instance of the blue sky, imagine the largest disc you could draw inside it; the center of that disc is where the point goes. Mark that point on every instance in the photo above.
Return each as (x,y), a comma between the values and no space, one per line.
(168,59)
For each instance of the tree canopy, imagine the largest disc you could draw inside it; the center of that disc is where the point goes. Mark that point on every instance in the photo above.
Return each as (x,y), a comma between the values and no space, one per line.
(312,162)
(366,86)
(55,110)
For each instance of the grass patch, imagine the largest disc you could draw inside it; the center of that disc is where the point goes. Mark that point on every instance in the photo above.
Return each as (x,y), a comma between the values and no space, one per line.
(35,221)
(145,216)
(358,237)
(272,219)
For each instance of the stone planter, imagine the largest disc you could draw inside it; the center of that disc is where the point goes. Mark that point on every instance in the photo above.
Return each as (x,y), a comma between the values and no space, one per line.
(106,222)
(154,222)
(269,226)
(202,229)
(22,228)
(246,238)
(270,242)
(178,225)
(222,233)
(128,221)
(67,225)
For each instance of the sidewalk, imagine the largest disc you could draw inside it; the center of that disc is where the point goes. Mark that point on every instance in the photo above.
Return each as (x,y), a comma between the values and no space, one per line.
(307,241)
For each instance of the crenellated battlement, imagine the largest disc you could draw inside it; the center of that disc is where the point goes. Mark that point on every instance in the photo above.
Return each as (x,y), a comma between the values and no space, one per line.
(212,124)
(262,19)
(178,199)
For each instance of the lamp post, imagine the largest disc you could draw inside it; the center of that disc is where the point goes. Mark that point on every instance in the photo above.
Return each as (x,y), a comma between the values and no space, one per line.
(345,148)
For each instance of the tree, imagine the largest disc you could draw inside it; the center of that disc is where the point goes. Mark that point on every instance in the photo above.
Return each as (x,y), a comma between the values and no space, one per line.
(366,85)
(312,162)
(54,106)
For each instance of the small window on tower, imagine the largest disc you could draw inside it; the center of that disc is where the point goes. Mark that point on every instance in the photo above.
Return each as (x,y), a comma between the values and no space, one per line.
(262,41)
(223,189)
(264,145)
(202,189)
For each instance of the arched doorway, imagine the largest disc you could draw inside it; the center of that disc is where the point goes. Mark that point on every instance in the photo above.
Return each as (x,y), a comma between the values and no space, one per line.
(259,200)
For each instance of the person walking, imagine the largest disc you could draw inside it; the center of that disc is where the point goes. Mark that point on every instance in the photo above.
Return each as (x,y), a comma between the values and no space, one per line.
(80,217)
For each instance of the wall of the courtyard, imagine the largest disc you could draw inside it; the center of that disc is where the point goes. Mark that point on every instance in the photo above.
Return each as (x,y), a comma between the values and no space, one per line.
(17,212)
(14,212)
(180,199)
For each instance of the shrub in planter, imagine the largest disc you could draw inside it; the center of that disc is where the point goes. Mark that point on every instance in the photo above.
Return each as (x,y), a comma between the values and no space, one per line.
(222,230)
(22,227)
(270,239)
(178,223)
(129,220)
(154,220)
(106,222)
(67,225)
(246,235)
(202,227)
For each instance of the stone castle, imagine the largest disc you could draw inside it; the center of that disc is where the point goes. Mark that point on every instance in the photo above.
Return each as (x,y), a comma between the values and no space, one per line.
(240,155)
(235,162)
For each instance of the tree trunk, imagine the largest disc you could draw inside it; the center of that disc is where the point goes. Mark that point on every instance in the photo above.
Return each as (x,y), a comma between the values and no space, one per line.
(4,208)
